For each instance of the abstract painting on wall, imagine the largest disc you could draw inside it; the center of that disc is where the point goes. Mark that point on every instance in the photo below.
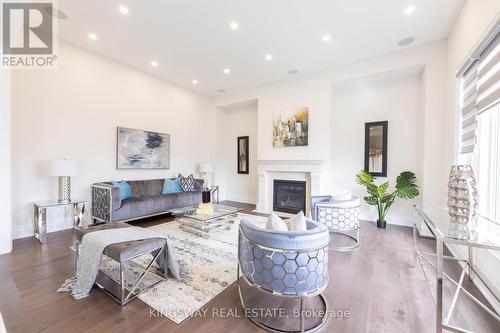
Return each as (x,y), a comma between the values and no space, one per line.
(138,149)
(291,128)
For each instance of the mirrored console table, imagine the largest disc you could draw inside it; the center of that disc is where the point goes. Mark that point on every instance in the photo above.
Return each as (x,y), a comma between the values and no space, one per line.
(480,233)
(40,215)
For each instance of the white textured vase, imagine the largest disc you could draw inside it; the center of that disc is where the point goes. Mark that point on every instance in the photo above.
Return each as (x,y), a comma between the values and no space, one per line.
(462,194)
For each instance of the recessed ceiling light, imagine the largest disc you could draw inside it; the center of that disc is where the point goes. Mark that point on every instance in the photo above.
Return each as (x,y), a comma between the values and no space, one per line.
(409,10)
(194,81)
(123,10)
(154,63)
(226,71)
(406,41)
(326,38)
(92,36)
(293,71)
(221,91)
(269,57)
(234,25)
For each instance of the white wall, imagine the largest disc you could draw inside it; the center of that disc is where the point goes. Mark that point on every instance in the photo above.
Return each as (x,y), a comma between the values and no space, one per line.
(315,90)
(5,160)
(231,122)
(73,112)
(395,98)
(472,23)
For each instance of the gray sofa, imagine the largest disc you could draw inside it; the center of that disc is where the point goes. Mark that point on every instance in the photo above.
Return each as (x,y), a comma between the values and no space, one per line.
(147,200)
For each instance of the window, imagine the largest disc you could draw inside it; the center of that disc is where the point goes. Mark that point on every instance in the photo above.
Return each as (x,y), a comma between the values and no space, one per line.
(480,123)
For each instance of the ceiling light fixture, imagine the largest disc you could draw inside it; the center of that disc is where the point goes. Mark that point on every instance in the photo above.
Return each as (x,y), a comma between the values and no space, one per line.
(194,81)
(409,10)
(154,63)
(269,57)
(293,71)
(226,71)
(234,25)
(123,10)
(406,41)
(326,38)
(92,36)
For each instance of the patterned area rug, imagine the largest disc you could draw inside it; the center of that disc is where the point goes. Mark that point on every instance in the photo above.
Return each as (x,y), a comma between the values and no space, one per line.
(208,266)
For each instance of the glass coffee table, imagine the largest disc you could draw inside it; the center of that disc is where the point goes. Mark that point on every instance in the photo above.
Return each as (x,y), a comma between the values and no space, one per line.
(203,222)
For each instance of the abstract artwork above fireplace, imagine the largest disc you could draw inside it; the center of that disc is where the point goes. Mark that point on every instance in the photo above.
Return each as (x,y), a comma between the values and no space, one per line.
(291,128)
(289,196)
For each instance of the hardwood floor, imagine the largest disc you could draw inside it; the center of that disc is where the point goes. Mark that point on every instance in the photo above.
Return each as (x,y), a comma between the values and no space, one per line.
(376,283)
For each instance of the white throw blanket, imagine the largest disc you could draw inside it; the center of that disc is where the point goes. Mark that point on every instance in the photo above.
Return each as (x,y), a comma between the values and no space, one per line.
(90,254)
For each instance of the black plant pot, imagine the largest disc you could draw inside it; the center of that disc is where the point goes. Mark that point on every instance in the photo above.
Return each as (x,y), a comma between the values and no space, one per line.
(381,224)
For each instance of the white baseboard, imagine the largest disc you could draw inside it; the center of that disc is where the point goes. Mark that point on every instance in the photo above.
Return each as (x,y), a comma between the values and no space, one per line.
(26,230)
(5,250)
(406,221)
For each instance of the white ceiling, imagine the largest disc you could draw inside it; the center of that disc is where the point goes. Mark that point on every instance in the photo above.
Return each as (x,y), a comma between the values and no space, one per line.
(191,39)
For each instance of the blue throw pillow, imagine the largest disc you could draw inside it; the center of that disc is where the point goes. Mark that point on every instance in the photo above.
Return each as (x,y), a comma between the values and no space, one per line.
(171,186)
(125,189)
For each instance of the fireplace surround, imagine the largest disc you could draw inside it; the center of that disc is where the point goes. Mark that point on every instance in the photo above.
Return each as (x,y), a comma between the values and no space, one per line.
(289,196)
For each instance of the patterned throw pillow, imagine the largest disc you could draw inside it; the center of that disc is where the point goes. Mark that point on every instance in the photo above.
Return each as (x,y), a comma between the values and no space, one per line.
(187,183)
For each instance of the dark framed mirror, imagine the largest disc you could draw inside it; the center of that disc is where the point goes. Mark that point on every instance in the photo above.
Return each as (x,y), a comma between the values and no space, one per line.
(243,161)
(376,148)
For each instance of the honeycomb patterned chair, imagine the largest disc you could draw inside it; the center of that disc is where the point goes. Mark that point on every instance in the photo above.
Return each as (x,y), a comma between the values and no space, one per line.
(340,217)
(290,264)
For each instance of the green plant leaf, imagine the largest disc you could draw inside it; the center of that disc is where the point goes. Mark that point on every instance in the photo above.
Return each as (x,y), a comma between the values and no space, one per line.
(382,189)
(364,178)
(371,200)
(406,187)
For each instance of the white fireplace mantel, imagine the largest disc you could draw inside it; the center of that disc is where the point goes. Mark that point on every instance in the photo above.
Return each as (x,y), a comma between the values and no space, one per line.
(268,170)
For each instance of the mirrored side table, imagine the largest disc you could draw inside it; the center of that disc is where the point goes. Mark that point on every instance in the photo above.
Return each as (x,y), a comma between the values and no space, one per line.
(214,191)
(40,215)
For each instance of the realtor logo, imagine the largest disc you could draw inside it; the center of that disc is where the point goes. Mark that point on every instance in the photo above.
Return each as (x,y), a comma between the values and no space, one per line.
(27,35)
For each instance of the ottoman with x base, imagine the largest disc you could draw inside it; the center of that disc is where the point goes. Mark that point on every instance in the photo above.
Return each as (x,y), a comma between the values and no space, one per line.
(124,253)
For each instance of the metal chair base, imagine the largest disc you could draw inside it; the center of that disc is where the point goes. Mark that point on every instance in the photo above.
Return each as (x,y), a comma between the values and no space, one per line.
(277,330)
(117,290)
(346,248)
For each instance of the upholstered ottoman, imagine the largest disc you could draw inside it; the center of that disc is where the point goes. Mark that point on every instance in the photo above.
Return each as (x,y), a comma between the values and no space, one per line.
(124,253)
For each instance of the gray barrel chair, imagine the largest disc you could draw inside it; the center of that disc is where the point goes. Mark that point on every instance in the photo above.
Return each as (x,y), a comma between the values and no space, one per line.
(291,264)
(340,217)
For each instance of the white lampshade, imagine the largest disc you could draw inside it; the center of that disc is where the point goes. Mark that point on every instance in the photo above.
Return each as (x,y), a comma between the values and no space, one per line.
(206,168)
(63,168)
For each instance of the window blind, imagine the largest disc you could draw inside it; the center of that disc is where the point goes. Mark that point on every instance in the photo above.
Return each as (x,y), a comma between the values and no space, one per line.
(488,91)
(480,88)
(468,117)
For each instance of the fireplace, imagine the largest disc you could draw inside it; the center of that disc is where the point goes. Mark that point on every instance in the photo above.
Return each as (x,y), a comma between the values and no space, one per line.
(289,196)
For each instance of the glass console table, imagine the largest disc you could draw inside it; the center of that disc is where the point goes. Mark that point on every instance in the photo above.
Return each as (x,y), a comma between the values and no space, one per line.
(480,233)
(40,215)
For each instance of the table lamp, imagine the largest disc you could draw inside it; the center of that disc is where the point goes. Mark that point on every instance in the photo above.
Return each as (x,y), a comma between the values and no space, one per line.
(64,170)
(206,169)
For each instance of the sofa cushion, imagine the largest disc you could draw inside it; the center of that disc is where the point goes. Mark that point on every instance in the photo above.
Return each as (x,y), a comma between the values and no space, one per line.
(125,189)
(171,186)
(187,183)
(146,188)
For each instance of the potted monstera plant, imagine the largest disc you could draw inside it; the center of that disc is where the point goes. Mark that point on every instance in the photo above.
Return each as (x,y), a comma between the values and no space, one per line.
(406,188)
